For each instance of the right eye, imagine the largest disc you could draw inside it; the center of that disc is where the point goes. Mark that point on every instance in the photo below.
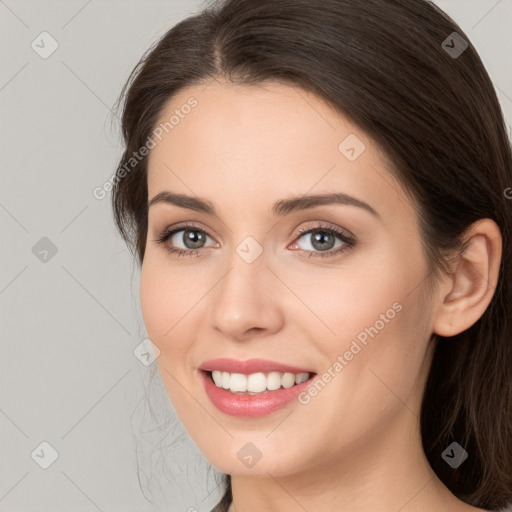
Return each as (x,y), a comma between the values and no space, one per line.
(191,237)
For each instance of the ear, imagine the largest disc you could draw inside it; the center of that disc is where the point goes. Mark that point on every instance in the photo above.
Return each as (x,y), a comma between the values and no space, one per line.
(465,294)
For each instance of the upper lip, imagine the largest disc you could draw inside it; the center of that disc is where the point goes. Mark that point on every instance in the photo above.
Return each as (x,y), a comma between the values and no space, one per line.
(249,366)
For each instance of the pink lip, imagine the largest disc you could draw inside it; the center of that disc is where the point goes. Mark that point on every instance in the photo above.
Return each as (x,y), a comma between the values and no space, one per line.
(250,406)
(249,366)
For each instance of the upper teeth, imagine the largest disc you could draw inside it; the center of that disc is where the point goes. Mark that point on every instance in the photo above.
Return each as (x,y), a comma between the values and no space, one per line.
(256,382)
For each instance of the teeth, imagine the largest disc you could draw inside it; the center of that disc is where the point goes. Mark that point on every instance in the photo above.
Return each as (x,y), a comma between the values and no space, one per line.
(273,381)
(257,382)
(238,382)
(288,380)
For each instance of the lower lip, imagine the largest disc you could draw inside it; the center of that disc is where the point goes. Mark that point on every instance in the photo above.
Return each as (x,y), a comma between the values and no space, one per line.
(250,406)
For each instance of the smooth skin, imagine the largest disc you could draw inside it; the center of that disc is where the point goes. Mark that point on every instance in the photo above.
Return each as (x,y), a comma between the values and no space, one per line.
(356,445)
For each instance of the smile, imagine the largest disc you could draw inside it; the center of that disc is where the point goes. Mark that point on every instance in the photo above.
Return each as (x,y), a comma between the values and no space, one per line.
(256,383)
(254,387)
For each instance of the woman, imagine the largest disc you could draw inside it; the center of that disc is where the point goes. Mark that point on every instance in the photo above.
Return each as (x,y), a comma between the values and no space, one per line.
(316,192)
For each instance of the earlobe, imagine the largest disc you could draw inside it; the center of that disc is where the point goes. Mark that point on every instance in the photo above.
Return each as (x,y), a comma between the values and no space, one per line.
(470,288)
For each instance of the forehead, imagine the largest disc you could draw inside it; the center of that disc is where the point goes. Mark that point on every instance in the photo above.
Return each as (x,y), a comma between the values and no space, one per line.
(253,143)
(262,121)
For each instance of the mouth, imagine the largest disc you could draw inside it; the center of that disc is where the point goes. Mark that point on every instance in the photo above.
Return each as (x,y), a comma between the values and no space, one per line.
(252,387)
(257,383)
(252,395)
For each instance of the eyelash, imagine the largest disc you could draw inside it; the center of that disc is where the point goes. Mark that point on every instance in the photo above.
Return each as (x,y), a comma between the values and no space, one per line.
(348,241)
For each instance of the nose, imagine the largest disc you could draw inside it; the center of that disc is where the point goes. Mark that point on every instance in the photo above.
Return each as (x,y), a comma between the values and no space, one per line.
(245,302)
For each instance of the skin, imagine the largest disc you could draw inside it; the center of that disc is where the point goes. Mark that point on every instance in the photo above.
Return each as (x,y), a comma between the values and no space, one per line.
(356,446)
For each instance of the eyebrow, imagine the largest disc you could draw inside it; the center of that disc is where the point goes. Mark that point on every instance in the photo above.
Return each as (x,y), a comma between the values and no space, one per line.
(279,209)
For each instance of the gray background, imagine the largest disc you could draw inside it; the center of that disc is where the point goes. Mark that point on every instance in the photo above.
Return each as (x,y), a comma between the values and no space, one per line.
(70,324)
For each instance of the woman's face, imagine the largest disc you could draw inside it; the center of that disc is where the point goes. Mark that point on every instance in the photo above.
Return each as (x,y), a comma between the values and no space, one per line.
(251,286)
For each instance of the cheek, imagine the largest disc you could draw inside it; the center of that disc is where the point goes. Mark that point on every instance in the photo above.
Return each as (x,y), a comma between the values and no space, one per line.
(367,291)
(172,303)
(378,324)
(368,383)
(163,296)
(165,292)
(164,303)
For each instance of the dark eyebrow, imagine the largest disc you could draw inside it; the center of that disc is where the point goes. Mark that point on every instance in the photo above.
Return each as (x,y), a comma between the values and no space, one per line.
(280,208)
(286,206)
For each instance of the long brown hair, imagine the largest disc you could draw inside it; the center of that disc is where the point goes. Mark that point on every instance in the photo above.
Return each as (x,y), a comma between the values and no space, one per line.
(396,70)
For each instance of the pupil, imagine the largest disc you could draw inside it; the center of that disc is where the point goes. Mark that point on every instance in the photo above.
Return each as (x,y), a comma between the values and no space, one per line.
(325,237)
(193,237)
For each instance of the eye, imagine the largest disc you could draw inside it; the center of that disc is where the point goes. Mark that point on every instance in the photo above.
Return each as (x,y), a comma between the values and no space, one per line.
(319,240)
(191,237)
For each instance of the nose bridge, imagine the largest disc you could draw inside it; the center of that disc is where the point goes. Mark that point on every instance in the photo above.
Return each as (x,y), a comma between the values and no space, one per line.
(241,299)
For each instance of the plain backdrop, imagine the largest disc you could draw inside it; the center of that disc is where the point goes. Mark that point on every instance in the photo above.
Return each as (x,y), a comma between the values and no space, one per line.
(72,391)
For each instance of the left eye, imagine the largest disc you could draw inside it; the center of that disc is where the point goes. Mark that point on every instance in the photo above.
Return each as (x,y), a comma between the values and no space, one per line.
(320,240)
